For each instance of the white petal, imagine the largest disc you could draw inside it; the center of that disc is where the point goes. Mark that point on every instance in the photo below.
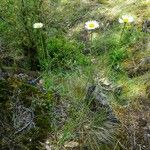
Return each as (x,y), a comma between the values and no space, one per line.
(131,19)
(126,16)
(37,25)
(87,27)
(121,20)
(96,24)
(86,23)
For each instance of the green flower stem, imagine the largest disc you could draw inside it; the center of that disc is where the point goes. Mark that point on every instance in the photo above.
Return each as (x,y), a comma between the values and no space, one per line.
(91,38)
(123,29)
(42,44)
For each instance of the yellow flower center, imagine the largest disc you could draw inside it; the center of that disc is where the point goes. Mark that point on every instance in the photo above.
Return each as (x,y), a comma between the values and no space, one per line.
(126,20)
(91,25)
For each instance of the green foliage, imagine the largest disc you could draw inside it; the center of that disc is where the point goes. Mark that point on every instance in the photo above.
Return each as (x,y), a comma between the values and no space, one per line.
(130,35)
(117,56)
(41,47)
(105,43)
(20,35)
(64,54)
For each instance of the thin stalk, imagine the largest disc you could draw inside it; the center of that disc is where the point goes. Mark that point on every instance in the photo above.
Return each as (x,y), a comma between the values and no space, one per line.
(122,31)
(91,38)
(43,48)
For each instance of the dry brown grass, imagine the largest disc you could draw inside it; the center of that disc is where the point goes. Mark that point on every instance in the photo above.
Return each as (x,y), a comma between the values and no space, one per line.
(135,124)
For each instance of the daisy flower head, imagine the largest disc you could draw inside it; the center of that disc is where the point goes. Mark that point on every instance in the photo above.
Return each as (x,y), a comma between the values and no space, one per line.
(91,25)
(38,25)
(126,19)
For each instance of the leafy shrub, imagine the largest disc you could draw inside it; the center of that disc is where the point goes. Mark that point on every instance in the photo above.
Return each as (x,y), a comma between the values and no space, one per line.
(64,54)
(117,56)
(17,25)
(37,44)
(21,39)
(104,43)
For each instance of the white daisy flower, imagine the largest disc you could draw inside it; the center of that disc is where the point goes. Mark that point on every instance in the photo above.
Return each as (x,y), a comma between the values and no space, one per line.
(126,19)
(38,25)
(90,25)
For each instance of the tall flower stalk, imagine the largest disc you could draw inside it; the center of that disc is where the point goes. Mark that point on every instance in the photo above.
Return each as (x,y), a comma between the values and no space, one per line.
(42,45)
(125,20)
(42,53)
(90,26)
(123,30)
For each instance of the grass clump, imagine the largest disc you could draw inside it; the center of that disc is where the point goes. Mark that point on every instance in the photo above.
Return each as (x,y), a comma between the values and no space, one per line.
(116,57)
(64,54)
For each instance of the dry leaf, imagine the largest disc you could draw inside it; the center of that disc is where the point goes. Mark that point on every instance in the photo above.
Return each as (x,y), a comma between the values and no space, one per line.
(71,144)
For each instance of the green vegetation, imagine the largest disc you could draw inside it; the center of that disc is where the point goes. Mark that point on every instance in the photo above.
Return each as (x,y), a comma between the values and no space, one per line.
(67,83)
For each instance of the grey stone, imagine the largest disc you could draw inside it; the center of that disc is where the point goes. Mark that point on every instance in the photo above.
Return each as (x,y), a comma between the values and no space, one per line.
(146,26)
(97,98)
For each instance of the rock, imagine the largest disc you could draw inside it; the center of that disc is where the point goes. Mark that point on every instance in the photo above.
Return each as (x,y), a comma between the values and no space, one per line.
(105,81)
(146,26)
(112,118)
(100,97)
(71,144)
(96,98)
(142,67)
(21,76)
(90,91)
(118,90)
